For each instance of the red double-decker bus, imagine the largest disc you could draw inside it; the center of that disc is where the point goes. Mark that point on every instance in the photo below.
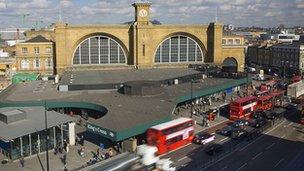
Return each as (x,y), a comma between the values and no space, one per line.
(243,107)
(171,135)
(265,102)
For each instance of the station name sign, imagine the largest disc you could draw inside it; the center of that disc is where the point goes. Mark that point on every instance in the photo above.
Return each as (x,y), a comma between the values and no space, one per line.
(101,131)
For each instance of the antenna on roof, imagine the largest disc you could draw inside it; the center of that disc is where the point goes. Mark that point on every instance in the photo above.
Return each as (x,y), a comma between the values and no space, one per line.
(216,14)
(59,12)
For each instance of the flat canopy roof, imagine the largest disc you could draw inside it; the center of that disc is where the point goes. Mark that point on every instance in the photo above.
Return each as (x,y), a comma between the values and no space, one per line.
(34,122)
(126,116)
(122,75)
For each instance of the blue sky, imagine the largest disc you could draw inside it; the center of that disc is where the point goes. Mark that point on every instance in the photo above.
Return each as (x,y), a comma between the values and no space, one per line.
(237,12)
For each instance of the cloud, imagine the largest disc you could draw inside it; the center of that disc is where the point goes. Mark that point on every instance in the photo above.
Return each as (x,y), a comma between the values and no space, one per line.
(238,12)
(66,3)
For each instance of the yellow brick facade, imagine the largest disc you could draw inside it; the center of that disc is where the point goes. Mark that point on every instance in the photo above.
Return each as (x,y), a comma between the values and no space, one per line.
(140,41)
(45,54)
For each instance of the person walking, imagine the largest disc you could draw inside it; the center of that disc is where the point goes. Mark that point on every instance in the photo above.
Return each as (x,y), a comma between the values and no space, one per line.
(97,152)
(22,161)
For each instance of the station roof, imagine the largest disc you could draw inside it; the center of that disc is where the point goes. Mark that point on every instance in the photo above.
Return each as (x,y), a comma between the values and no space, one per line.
(126,116)
(34,121)
(123,75)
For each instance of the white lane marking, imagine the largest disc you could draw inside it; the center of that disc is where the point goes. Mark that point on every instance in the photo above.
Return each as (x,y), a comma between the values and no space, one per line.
(268,147)
(224,168)
(193,148)
(262,136)
(183,158)
(283,136)
(256,155)
(223,139)
(279,162)
(241,166)
(290,124)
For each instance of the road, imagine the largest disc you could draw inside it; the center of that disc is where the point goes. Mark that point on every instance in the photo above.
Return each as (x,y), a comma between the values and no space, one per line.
(275,149)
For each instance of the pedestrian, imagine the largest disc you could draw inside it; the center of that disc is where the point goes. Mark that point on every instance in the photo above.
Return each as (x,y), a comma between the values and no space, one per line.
(67,148)
(82,140)
(64,157)
(97,152)
(60,149)
(22,161)
(110,152)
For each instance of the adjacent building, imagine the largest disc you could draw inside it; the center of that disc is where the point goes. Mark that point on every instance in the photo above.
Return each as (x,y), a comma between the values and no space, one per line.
(287,55)
(35,55)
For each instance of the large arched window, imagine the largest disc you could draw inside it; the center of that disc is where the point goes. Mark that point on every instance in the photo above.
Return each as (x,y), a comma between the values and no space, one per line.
(99,50)
(178,49)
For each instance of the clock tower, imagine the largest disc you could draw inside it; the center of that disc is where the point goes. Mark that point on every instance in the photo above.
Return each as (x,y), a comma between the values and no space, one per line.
(142,12)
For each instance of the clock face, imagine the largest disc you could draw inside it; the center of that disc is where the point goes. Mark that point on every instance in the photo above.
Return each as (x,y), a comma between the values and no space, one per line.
(142,13)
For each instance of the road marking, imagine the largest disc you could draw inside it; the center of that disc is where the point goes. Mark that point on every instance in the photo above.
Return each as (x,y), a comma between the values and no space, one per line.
(223,139)
(183,158)
(224,168)
(283,136)
(257,155)
(279,162)
(241,166)
(262,136)
(268,147)
(290,124)
(193,148)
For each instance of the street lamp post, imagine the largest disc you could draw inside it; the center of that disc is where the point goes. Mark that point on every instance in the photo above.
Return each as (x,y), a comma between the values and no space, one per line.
(191,89)
(47,138)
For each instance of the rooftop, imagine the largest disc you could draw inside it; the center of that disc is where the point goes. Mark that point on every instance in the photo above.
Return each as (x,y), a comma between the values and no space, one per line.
(32,123)
(38,39)
(123,113)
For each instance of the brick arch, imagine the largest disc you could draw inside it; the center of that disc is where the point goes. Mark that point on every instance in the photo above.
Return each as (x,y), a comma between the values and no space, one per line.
(230,64)
(116,39)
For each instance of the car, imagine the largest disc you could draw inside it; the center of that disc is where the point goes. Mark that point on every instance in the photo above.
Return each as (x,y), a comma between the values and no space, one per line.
(268,115)
(239,123)
(212,149)
(226,131)
(238,134)
(257,123)
(203,138)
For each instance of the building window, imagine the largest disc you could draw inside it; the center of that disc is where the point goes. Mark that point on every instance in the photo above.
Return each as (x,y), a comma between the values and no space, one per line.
(36,50)
(237,41)
(48,50)
(230,41)
(144,50)
(178,49)
(36,63)
(49,63)
(99,50)
(25,64)
(224,41)
(24,50)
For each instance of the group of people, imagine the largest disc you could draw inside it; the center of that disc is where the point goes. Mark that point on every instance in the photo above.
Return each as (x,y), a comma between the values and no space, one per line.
(100,155)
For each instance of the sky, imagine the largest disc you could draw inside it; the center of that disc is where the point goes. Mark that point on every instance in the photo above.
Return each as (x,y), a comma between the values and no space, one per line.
(265,13)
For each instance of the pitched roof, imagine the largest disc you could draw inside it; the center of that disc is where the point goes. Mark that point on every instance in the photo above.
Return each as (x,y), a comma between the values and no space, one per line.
(38,39)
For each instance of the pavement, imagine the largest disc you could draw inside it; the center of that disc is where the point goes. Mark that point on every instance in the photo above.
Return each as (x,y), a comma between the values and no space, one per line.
(278,148)
(38,162)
